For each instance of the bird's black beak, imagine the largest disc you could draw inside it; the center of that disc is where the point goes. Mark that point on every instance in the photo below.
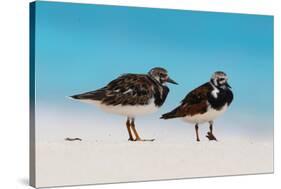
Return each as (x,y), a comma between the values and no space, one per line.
(169,80)
(227,85)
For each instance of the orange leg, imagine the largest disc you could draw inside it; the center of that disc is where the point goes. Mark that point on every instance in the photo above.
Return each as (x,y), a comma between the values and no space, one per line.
(136,133)
(128,125)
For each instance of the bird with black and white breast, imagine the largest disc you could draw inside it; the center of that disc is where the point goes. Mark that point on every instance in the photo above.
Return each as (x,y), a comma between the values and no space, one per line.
(131,95)
(205,104)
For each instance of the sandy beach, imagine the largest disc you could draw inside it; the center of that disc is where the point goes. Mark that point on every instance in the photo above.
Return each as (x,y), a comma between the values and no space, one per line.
(107,161)
(105,156)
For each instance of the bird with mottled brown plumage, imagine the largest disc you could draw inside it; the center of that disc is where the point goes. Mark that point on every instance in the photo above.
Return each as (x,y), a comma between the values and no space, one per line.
(131,95)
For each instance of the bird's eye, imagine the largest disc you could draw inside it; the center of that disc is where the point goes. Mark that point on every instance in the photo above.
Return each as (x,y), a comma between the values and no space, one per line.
(163,75)
(221,79)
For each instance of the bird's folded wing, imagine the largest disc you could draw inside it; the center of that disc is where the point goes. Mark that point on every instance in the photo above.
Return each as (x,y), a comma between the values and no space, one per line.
(195,102)
(129,89)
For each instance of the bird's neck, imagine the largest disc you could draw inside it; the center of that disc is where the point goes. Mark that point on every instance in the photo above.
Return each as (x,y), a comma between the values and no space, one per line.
(155,81)
(160,92)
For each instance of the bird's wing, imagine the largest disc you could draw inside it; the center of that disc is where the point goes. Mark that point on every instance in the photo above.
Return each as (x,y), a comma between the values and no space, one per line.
(129,89)
(194,102)
(198,95)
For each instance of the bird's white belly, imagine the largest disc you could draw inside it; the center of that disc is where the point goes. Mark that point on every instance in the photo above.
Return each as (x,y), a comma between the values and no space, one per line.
(210,115)
(127,110)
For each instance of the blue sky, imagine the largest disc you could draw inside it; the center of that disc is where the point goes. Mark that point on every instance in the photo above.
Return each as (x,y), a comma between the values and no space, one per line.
(82,47)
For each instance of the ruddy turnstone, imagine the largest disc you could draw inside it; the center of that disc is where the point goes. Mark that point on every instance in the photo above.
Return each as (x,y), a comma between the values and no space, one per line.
(131,95)
(205,103)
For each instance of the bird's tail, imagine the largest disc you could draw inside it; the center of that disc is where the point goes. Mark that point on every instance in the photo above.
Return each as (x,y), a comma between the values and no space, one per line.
(93,95)
(75,97)
(170,115)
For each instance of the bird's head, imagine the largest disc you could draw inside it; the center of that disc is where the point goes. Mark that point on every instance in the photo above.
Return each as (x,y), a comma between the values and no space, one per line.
(219,79)
(160,75)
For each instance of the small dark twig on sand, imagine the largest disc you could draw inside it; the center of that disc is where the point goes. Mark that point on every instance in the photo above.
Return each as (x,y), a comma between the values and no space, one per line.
(73,139)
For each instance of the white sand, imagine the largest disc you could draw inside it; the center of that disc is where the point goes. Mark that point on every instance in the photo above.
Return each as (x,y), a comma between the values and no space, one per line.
(104,155)
(110,160)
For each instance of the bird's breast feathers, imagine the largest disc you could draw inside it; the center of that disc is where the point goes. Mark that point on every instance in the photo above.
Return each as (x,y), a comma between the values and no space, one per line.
(216,103)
